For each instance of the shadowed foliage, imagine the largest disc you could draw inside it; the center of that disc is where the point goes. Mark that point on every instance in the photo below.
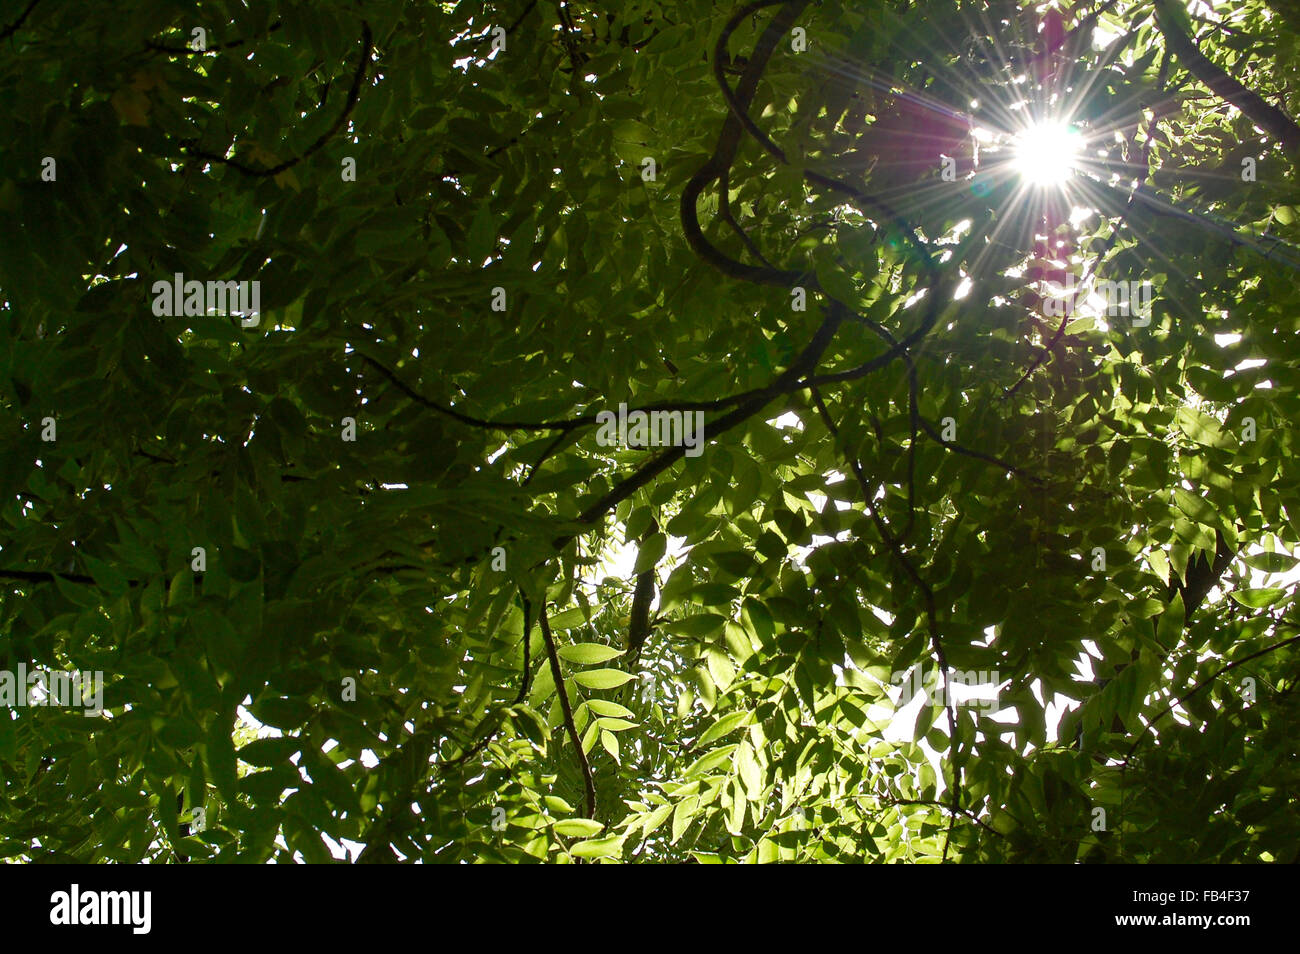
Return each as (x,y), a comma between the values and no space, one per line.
(367,580)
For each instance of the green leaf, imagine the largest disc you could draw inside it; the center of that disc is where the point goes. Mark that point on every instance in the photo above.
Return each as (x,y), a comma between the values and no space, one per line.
(728,723)
(598,847)
(616,725)
(655,819)
(610,743)
(482,235)
(748,769)
(1258,598)
(1270,562)
(683,814)
(220,758)
(567,620)
(650,552)
(1169,628)
(578,828)
(601,678)
(695,626)
(586,654)
(1196,507)
(720,668)
(604,707)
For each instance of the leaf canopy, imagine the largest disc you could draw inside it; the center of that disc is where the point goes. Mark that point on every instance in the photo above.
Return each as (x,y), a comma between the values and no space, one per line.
(644,403)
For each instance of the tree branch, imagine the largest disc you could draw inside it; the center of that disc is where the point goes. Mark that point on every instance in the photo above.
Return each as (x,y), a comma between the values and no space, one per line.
(563,693)
(1146,729)
(229,45)
(13,28)
(724,152)
(638,627)
(932,624)
(783,383)
(1258,110)
(354,94)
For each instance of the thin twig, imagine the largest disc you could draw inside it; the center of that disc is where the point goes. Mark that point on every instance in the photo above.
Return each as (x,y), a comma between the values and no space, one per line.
(354,95)
(563,693)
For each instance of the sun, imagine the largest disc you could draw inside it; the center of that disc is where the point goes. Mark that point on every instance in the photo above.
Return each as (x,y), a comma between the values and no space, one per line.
(1047,153)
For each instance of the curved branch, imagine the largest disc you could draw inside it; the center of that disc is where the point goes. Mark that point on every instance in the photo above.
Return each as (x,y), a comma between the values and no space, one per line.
(785,382)
(1258,110)
(724,152)
(739,99)
(354,94)
(1146,729)
(563,425)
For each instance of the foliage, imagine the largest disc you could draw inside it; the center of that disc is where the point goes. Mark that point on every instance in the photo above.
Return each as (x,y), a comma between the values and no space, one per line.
(917,470)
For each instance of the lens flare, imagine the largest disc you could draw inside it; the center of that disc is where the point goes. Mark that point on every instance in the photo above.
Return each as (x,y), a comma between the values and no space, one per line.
(1046,154)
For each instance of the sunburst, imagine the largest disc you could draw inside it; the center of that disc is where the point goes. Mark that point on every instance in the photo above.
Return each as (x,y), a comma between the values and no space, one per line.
(1046,153)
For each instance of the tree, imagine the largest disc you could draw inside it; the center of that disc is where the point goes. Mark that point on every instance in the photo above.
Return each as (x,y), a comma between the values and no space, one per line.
(529,431)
